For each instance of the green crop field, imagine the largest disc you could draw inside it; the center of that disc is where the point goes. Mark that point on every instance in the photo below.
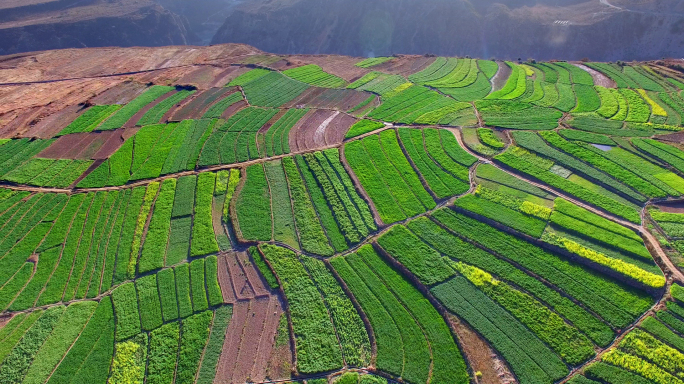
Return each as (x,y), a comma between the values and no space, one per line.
(326,219)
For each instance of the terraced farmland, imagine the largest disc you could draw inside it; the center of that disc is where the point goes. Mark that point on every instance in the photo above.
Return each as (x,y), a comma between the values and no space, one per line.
(347,220)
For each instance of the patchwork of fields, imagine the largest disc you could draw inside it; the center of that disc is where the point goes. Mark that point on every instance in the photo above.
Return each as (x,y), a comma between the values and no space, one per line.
(388,220)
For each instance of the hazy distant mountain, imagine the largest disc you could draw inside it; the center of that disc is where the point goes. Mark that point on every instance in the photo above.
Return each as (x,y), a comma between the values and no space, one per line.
(29,25)
(541,29)
(509,29)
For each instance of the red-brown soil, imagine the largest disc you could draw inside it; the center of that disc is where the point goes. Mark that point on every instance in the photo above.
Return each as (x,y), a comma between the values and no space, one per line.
(243,290)
(227,75)
(267,341)
(338,128)
(112,145)
(202,77)
(480,356)
(199,105)
(93,62)
(233,109)
(677,138)
(53,124)
(86,145)
(499,80)
(225,282)
(250,337)
(231,344)
(255,280)
(404,65)
(305,128)
(252,333)
(20,122)
(272,121)
(23,107)
(319,129)
(599,78)
(121,94)
(340,99)
(673,207)
(172,111)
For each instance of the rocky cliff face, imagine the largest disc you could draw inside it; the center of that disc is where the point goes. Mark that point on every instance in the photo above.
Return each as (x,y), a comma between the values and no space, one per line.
(90,23)
(556,29)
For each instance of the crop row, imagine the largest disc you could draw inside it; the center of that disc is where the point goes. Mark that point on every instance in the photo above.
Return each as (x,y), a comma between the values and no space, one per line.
(384,294)
(372,61)
(118,119)
(564,339)
(380,83)
(315,75)
(317,185)
(166,296)
(273,90)
(236,140)
(530,359)
(657,175)
(416,104)
(350,329)
(390,186)
(90,119)
(308,313)
(515,85)
(513,218)
(452,246)
(599,162)
(389,178)
(277,139)
(153,151)
(612,301)
(155,114)
(594,198)
(48,172)
(17,152)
